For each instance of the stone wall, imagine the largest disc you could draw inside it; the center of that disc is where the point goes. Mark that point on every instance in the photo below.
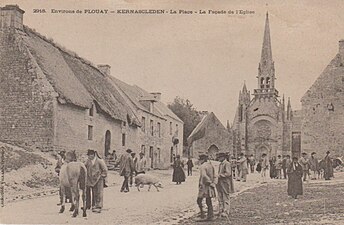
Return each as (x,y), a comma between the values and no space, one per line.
(26,100)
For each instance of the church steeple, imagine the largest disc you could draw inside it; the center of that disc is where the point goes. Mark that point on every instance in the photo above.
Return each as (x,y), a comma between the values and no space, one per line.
(266,69)
(266,58)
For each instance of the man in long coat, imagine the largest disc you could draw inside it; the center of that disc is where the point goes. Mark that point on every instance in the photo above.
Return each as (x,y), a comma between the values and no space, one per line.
(207,184)
(126,168)
(224,184)
(295,172)
(243,169)
(96,175)
(314,165)
(328,167)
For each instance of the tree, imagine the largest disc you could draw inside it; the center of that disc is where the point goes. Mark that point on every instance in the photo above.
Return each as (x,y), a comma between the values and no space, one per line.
(187,113)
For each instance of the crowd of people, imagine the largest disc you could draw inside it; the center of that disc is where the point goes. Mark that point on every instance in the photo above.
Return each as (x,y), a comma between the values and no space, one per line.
(211,182)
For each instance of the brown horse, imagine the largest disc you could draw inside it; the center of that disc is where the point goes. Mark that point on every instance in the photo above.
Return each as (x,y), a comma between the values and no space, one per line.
(73,175)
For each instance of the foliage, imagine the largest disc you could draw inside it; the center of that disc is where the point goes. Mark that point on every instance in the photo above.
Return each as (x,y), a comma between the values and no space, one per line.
(187,113)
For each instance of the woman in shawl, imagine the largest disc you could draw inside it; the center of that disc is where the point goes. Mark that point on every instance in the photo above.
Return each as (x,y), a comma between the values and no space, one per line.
(178,172)
(295,179)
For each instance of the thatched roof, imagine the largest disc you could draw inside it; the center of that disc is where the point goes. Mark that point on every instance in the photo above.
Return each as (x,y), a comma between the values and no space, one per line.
(136,95)
(76,80)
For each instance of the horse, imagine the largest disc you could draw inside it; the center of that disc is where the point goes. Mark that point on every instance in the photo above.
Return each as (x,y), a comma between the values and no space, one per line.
(73,175)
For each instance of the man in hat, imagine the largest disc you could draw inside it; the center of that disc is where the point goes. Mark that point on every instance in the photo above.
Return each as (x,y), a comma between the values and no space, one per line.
(126,168)
(96,175)
(328,167)
(190,165)
(314,165)
(224,184)
(207,183)
(141,164)
(305,166)
(134,172)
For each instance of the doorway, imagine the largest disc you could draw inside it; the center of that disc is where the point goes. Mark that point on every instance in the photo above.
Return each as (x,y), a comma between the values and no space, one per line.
(107,143)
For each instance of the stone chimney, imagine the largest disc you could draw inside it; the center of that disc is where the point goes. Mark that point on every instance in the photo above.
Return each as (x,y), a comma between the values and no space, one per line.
(105,69)
(156,95)
(11,16)
(341,47)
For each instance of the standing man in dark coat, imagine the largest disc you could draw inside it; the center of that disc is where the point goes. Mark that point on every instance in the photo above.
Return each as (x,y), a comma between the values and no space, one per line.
(126,168)
(224,184)
(206,187)
(295,172)
(328,167)
(96,175)
(190,164)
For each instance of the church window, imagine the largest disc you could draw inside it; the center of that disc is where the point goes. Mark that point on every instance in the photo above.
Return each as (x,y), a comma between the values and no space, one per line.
(240,113)
(262,82)
(90,133)
(268,82)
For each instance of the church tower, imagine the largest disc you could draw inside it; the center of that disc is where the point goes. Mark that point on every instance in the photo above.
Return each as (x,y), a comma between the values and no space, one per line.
(266,70)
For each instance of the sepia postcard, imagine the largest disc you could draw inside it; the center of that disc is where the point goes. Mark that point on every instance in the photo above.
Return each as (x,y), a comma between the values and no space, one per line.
(172,112)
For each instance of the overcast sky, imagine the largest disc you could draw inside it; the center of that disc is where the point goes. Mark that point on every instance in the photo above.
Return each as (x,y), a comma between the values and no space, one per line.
(203,58)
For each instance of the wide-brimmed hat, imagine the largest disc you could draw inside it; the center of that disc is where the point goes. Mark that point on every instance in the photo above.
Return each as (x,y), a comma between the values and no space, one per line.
(91,152)
(313,153)
(202,156)
(221,154)
(328,152)
(61,152)
(129,150)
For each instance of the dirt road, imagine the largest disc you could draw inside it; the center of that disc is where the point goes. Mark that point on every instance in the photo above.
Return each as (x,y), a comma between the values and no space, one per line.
(172,204)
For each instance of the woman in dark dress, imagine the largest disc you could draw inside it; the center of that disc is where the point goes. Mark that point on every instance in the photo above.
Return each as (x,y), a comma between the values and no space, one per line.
(273,167)
(295,179)
(178,172)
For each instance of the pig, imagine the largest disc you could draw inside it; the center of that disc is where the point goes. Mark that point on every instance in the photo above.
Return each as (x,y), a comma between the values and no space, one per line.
(146,179)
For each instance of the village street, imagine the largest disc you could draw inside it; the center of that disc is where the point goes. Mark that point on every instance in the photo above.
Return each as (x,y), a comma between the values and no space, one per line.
(172,204)
(321,203)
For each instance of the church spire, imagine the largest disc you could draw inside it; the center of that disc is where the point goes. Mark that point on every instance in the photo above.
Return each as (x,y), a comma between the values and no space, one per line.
(244,88)
(266,57)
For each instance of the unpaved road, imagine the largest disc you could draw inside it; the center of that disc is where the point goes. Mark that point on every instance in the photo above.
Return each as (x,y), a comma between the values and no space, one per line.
(170,205)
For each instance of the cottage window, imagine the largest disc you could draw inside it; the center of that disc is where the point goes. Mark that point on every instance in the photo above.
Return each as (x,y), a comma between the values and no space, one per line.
(91,110)
(143,149)
(152,127)
(123,139)
(90,133)
(170,128)
(143,127)
(159,129)
(177,130)
(159,155)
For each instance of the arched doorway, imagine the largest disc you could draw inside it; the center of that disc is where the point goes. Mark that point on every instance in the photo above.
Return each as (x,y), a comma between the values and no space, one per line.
(260,151)
(212,150)
(107,143)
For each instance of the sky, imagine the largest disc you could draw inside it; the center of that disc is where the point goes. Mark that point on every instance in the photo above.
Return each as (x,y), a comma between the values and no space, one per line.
(203,58)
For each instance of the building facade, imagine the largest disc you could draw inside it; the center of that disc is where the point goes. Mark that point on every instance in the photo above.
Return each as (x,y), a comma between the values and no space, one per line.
(263,123)
(52,99)
(323,110)
(210,137)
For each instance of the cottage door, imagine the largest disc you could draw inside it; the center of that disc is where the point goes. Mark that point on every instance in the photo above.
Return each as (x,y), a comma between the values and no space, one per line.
(107,142)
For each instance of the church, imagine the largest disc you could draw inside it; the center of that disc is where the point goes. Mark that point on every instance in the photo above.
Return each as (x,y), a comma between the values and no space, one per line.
(263,123)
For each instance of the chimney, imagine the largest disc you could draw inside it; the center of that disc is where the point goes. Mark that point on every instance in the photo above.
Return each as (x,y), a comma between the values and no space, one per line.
(156,95)
(11,16)
(105,69)
(341,47)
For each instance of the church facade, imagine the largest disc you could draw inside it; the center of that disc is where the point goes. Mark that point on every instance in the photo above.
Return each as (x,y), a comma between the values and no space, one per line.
(263,123)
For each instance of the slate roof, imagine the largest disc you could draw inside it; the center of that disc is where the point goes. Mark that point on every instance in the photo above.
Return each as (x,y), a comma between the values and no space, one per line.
(76,80)
(200,129)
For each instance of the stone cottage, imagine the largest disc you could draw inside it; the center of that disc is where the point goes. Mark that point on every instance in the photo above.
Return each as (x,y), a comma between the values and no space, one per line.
(210,136)
(52,99)
(323,110)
